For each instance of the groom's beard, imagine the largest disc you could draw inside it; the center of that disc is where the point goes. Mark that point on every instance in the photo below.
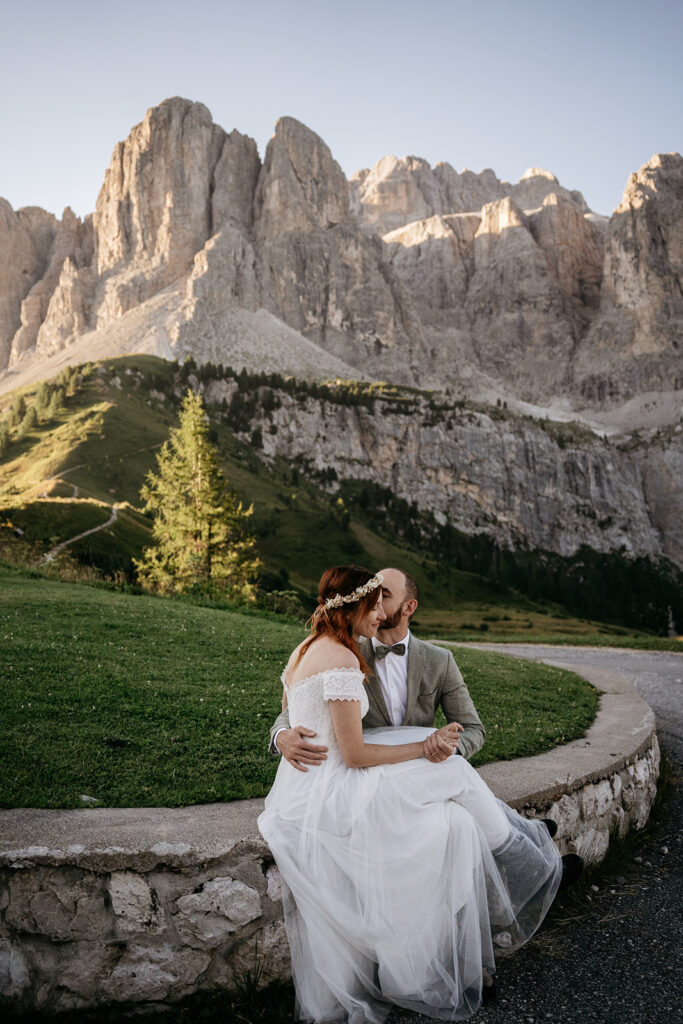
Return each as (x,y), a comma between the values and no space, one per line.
(391,623)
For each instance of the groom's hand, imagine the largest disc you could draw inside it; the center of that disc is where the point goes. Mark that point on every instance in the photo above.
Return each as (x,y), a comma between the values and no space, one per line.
(441,744)
(293,746)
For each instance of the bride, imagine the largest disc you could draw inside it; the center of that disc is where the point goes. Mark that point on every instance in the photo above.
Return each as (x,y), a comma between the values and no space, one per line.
(399,874)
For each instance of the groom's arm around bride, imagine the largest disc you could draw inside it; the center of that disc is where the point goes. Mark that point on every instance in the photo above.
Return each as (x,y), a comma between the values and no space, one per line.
(409,680)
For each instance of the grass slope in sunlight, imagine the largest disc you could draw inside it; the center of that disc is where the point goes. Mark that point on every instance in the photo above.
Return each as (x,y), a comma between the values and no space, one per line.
(105,440)
(137,701)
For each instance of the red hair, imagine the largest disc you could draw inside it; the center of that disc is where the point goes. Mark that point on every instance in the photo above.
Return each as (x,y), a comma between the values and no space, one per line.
(337,623)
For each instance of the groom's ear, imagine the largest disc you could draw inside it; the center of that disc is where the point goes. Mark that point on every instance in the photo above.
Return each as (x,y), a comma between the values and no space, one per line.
(410,607)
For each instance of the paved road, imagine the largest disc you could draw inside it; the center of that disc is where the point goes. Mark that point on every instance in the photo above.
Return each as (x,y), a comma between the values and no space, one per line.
(611,954)
(656,675)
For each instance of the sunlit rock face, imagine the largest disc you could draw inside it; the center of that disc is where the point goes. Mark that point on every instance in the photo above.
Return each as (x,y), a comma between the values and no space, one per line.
(168,187)
(396,192)
(417,274)
(319,271)
(636,344)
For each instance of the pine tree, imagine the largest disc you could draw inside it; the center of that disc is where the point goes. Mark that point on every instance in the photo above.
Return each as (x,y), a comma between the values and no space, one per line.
(199,525)
(56,403)
(17,412)
(29,422)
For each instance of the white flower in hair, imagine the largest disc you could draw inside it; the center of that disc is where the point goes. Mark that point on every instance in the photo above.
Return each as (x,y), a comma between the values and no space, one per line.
(339,599)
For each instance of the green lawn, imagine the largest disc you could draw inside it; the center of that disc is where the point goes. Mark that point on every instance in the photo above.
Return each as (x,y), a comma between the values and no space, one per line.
(137,701)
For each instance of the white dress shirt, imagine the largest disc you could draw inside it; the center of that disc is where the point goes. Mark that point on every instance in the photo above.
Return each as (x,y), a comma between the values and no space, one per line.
(392,674)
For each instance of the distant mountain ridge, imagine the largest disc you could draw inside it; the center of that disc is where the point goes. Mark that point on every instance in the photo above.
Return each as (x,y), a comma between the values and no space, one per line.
(420,275)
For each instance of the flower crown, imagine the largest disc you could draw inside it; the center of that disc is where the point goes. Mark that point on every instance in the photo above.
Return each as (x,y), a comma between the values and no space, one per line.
(338,600)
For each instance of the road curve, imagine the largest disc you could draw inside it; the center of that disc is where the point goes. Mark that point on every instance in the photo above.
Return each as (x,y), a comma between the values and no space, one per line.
(656,675)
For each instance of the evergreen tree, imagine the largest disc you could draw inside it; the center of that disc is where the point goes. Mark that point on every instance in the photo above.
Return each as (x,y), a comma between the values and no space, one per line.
(4,438)
(29,422)
(56,403)
(17,412)
(199,525)
(43,395)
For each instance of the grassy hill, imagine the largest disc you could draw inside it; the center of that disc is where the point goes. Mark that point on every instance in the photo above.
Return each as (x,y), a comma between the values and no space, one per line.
(79,460)
(133,700)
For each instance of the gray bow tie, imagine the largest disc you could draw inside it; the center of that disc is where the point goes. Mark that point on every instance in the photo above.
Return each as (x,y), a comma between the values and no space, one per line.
(381,650)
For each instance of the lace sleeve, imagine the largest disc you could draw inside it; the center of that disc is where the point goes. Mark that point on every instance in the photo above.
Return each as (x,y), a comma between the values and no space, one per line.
(343,684)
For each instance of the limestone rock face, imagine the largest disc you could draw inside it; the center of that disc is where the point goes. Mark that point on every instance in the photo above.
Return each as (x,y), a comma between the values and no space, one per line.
(318,271)
(25,238)
(467,191)
(418,275)
(35,247)
(536,184)
(435,260)
(396,192)
(574,249)
(58,305)
(515,305)
(154,209)
(637,342)
(507,477)
(301,187)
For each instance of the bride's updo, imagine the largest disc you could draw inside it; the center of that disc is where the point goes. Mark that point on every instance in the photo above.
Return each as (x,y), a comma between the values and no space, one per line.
(336,620)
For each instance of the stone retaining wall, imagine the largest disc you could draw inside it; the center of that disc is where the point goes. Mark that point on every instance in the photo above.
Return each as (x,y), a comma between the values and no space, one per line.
(148,905)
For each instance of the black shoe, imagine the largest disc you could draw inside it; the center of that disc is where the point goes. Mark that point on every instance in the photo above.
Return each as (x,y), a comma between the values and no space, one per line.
(551,826)
(489,993)
(572,866)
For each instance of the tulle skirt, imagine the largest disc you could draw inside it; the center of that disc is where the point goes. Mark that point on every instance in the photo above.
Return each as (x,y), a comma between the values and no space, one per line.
(399,881)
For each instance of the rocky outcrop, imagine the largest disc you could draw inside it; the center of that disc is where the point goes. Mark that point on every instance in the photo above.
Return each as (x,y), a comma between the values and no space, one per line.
(25,240)
(58,305)
(154,211)
(419,275)
(396,192)
(636,343)
(524,483)
(318,271)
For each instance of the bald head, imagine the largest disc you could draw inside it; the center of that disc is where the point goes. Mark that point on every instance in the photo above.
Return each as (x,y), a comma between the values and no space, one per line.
(399,598)
(399,584)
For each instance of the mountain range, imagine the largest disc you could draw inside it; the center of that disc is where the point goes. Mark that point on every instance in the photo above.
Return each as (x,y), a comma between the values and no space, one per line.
(514,296)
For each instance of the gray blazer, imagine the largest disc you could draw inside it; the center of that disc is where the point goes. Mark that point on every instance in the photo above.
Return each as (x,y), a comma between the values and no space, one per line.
(434,680)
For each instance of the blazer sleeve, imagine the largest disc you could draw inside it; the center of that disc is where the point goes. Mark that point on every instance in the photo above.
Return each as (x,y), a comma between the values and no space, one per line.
(457,706)
(281,722)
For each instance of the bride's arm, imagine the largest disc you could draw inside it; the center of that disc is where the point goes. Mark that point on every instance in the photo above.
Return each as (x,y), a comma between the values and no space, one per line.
(346,718)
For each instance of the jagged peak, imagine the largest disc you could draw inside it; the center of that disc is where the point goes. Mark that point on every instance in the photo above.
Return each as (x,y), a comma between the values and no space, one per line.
(539,172)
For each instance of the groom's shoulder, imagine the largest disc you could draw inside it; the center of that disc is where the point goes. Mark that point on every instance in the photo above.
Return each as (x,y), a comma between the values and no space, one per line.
(433,652)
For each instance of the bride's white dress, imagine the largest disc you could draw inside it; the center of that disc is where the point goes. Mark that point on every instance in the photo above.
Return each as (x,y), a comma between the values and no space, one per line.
(398,879)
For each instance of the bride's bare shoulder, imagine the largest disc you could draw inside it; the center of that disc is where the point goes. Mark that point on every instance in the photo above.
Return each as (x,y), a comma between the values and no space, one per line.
(324,653)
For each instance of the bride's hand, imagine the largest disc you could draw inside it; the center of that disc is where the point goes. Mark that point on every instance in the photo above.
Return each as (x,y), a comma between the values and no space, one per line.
(442,743)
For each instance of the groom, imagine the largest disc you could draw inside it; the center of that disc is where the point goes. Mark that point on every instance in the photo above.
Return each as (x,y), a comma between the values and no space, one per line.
(410,679)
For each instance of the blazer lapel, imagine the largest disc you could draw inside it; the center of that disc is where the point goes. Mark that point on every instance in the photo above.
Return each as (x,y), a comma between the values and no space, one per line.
(372,682)
(415,669)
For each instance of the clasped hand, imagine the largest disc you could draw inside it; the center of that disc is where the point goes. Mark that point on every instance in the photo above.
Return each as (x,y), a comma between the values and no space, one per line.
(293,745)
(442,743)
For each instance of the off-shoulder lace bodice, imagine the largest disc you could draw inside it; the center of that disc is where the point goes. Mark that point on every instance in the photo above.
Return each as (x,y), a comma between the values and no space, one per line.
(308,701)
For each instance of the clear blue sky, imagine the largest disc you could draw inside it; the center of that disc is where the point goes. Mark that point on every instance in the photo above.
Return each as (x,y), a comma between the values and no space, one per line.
(589,90)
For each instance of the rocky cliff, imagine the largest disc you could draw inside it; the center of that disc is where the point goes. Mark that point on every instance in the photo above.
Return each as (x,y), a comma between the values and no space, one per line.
(410,273)
(521,482)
